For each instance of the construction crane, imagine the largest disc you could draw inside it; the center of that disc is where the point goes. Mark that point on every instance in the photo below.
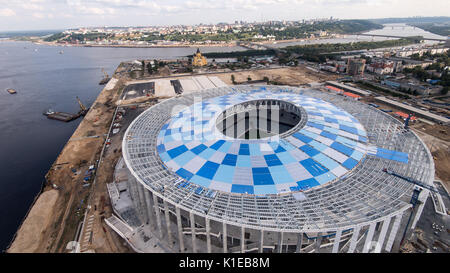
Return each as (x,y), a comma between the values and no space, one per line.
(104,73)
(83,109)
(407,121)
(418,183)
(105,79)
(414,197)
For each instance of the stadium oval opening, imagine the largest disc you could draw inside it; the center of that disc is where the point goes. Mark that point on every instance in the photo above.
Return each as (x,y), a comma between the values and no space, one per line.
(260,119)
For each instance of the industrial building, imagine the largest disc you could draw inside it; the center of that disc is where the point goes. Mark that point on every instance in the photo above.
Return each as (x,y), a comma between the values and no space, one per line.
(267,169)
(355,67)
(349,88)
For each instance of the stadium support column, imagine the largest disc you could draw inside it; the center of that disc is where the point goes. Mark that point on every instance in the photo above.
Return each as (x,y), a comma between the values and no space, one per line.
(368,242)
(180,229)
(298,249)
(318,242)
(148,201)
(393,233)
(337,241)
(194,241)
(142,206)
(208,235)
(132,184)
(242,239)
(261,242)
(166,213)
(354,239)
(158,216)
(423,198)
(280,242)
(383,232)
(224,237)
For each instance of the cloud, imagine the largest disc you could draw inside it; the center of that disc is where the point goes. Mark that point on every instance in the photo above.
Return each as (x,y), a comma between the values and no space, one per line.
(7,12)
(35,13)
(31,6)
(38,15)
(98,7)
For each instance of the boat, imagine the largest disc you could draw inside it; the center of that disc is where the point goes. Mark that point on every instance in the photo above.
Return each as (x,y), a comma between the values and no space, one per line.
(104,81)
(11,91)
(49,112)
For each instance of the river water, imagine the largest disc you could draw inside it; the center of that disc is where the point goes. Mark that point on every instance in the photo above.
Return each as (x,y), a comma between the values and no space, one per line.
(29,142)
(402,30)
(43,78)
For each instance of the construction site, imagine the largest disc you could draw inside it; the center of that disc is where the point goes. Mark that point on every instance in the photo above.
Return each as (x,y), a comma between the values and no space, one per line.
(148,170)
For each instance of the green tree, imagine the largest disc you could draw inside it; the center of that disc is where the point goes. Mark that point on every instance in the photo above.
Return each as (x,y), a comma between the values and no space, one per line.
(150,68)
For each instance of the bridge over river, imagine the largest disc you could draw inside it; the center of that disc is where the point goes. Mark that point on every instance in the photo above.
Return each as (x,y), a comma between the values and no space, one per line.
(395,36)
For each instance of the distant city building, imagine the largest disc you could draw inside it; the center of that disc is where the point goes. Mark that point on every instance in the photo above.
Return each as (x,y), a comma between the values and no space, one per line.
(412,86)
(356,66)
(402,63)
(381,66)
(199,59)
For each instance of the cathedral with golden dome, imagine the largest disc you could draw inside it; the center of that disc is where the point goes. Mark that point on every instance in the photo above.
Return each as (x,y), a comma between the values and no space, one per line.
(199,59)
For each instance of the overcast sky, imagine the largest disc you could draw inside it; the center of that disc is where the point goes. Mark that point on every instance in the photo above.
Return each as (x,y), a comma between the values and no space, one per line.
(63,14)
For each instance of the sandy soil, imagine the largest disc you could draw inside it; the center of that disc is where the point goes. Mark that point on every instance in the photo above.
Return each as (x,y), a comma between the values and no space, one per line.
(440,150)
(30,235)
(287,76)
(135,100)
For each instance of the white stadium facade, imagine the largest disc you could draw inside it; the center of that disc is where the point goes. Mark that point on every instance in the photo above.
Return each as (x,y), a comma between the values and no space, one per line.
(267,169)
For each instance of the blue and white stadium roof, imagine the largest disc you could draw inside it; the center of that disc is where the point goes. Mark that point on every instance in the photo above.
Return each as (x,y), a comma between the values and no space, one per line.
(325,173)
(331,144)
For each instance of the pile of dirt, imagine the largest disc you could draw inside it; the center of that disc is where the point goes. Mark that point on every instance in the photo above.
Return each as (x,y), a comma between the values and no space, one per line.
(440,131)
(442,165)
(285,76)
(29,236)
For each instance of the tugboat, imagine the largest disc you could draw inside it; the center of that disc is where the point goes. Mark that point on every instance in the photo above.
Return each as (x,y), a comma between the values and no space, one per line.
(49,112)
(11,91)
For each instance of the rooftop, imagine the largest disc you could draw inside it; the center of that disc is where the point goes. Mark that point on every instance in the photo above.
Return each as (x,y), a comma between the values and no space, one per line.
(331,143)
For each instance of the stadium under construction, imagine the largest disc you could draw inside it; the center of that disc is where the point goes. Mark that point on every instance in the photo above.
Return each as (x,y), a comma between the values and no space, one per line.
(268,169)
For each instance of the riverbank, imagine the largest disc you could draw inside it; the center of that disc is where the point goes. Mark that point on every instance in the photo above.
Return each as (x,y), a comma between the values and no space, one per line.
(231,44)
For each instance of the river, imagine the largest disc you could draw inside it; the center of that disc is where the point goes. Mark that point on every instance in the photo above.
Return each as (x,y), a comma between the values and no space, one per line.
(402,30)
